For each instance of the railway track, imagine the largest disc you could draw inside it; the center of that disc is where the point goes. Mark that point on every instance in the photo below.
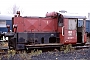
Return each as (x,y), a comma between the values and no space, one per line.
(50,47)
(87,45)
(3,47)
(3,51)
(44,47)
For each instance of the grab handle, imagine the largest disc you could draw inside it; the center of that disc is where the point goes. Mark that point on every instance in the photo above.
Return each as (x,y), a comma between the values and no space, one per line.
(63,31)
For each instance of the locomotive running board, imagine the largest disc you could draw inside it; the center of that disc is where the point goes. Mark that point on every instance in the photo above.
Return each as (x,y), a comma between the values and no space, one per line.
(81,47)
(44,45)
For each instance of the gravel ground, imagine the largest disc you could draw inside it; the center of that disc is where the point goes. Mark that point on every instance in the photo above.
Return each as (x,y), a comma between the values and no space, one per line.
(82,54)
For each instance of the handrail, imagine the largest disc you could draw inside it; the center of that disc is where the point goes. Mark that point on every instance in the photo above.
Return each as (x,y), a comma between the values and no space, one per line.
(63,31)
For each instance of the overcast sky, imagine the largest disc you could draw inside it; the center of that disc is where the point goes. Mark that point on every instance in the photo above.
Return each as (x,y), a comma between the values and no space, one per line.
(40,7)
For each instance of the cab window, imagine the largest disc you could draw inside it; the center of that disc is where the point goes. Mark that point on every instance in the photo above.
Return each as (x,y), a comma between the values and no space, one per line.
(72,24)
(60,20)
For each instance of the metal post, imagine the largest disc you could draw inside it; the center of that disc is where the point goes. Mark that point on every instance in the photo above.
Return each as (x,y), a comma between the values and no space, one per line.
(8,26)
(83,34)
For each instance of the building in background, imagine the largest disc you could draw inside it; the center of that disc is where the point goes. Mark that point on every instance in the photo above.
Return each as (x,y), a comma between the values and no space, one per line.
(5,20)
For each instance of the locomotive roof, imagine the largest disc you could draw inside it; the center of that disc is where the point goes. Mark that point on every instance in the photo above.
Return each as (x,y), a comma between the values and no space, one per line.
(32,17)
(66,15)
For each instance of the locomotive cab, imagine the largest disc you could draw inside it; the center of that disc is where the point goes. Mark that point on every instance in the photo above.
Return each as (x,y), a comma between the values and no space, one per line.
(70,32)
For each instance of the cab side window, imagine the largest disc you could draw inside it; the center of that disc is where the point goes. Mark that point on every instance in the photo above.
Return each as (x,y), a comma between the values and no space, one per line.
(60,20)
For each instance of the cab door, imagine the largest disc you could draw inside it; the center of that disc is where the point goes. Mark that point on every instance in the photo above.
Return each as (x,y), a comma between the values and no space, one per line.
(70,31)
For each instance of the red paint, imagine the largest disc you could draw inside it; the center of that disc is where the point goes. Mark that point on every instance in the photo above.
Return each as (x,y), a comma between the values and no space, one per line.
(61,37)
(20,23)
(85,38)
(51,14)
(46,24)
(31,24)
(85,35)
(69,39)
(35,24)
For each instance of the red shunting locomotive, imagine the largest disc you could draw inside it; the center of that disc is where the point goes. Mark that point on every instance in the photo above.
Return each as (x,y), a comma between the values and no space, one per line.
(56,28)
